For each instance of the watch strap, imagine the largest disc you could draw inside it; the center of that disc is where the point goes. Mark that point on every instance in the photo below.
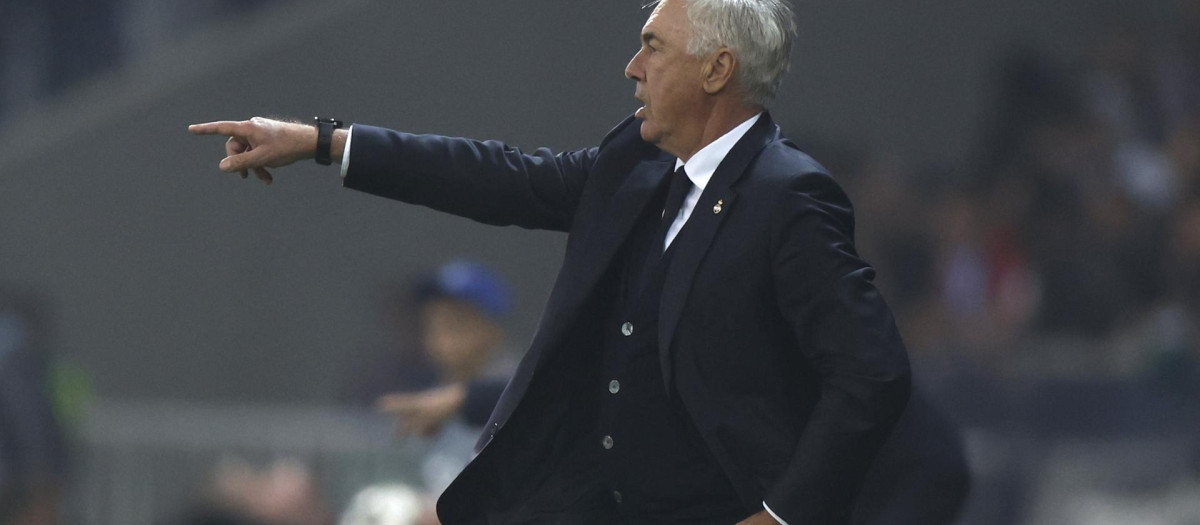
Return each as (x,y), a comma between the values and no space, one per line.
(325,127)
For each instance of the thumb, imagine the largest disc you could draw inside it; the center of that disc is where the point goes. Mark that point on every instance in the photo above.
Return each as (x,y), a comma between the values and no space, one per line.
(255,158)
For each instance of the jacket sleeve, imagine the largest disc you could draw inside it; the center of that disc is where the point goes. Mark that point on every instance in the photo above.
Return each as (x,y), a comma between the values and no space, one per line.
(846,332)
(486,181)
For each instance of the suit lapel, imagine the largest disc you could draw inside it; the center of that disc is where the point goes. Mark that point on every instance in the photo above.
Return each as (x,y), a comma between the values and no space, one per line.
(693,241)
(582,273)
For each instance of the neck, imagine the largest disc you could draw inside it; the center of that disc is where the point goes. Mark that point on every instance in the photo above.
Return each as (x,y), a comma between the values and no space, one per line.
(720,119)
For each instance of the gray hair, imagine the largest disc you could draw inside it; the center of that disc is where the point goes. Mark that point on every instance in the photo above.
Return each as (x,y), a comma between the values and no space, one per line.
(759,32)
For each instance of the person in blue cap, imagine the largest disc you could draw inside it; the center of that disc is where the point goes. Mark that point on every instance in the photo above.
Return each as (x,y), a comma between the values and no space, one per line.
(459,312)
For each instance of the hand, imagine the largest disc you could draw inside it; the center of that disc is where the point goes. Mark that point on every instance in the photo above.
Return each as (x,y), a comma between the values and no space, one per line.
(424,412)
(762,518)
(260,143)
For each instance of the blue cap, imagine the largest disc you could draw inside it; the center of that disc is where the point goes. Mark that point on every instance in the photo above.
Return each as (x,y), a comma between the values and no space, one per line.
(470,282)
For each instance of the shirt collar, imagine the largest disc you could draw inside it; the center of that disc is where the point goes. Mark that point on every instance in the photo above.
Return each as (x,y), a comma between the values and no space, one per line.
(703,164)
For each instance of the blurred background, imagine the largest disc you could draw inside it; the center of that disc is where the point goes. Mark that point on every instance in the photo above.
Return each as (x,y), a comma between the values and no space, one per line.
(1026,176)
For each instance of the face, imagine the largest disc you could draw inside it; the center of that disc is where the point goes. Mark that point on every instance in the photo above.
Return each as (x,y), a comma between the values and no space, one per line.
(669,80)
(457,336)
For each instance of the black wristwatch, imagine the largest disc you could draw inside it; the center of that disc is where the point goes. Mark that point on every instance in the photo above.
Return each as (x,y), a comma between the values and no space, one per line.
(325,127)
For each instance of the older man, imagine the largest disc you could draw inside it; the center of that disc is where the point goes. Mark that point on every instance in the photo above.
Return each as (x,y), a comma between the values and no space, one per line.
(713,350)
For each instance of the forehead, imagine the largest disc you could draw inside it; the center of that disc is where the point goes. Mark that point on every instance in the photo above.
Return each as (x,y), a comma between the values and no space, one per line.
(669,19)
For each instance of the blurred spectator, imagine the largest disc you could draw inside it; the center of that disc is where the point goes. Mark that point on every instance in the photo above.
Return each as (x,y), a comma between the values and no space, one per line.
(1119,82)
(1184,258)
(444,389)
(32,452)
(1175,329)
(1033,90)
(389,505)
(1180,74)
(453,370)
(1180,70)
(1127,93)
(1184,148)
(284,493)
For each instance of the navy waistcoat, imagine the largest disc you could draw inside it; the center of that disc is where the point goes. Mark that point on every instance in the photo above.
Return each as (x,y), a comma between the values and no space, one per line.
(653,461)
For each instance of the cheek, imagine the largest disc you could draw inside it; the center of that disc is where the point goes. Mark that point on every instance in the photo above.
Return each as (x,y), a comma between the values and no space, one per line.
(667,90)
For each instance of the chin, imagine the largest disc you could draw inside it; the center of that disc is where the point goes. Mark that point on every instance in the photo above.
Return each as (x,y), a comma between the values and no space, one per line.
(650,133)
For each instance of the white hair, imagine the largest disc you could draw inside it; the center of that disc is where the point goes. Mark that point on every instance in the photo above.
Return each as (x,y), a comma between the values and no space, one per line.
(759,32)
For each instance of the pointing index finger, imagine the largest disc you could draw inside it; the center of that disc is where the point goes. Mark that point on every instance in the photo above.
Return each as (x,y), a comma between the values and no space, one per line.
(228,128)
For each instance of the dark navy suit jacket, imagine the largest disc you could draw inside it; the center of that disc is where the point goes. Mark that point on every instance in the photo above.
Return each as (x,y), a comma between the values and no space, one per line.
(771,331)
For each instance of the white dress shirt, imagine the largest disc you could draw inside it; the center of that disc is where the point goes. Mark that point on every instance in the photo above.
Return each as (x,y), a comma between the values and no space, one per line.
(700,169)
(346,150)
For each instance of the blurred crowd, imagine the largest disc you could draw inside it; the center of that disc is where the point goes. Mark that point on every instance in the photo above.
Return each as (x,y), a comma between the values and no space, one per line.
(1070,245)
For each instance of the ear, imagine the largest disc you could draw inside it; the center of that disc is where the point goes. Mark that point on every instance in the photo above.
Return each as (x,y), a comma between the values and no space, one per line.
(718,71)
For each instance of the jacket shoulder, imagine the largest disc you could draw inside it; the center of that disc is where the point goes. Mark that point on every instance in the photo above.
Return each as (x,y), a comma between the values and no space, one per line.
(783,167)
(793,182)
(784,160)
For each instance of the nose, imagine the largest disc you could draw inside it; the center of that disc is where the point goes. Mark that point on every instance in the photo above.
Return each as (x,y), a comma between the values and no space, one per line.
(633,71)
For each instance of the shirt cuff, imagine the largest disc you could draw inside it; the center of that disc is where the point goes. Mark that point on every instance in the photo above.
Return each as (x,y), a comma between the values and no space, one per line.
(773,515)
(346,151)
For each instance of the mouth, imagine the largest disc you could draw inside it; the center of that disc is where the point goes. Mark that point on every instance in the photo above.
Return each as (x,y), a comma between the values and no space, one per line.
(641,112)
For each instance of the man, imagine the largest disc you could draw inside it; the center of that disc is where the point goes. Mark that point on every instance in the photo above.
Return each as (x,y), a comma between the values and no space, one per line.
(713,350)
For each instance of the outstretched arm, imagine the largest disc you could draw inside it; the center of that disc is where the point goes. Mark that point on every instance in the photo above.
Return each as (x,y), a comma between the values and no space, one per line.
(486,181)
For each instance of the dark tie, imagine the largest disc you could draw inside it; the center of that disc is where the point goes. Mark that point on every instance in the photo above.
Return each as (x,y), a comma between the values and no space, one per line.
(654,254)
(680,184)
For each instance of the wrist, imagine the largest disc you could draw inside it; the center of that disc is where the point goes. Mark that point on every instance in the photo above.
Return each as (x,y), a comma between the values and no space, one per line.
(324,149)
(337,147)
(309,138)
